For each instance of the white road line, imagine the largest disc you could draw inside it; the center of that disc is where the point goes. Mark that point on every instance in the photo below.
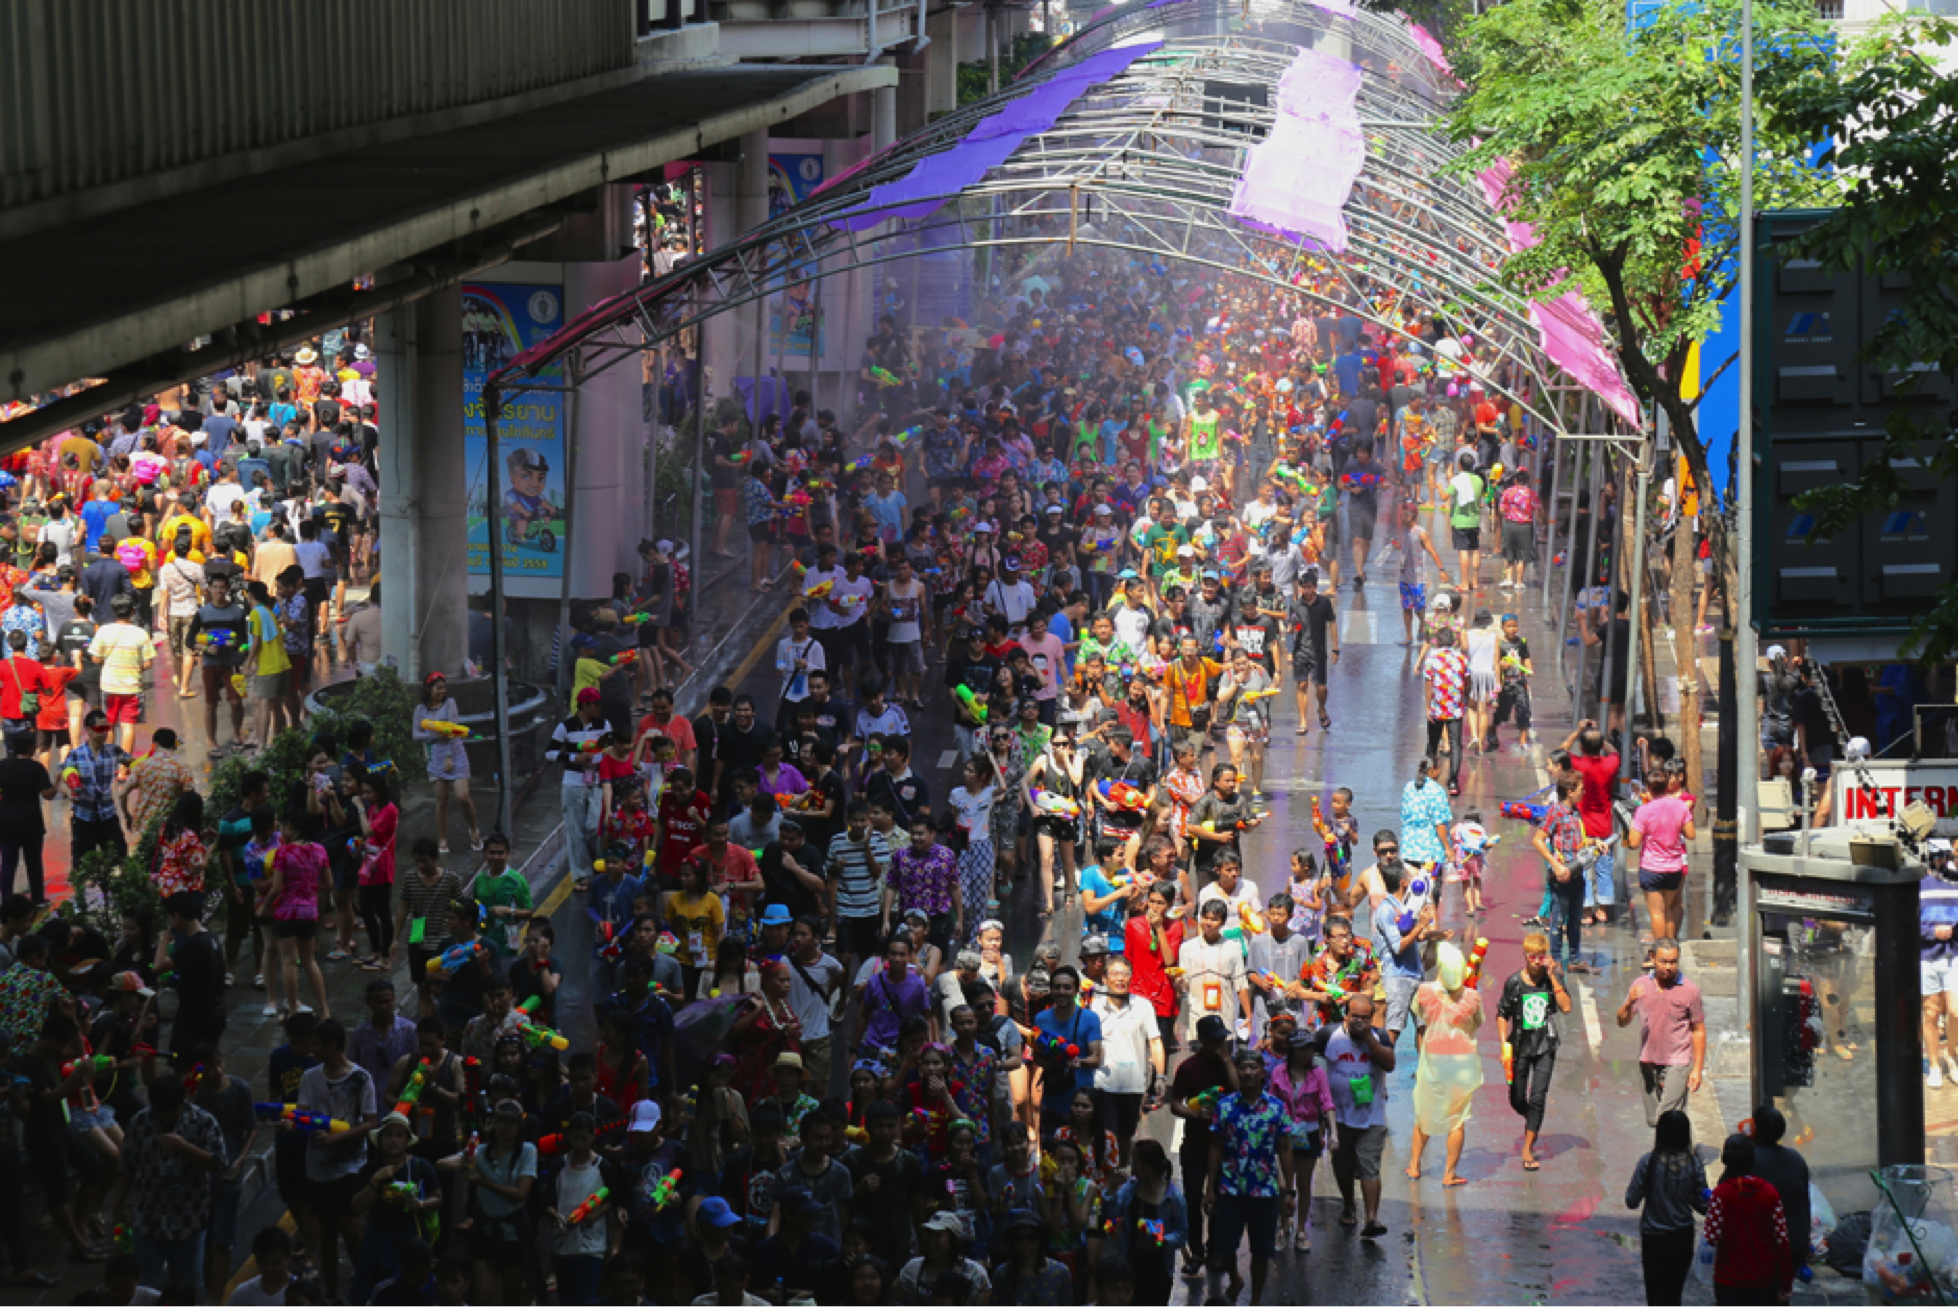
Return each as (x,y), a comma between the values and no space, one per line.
(1594,1033)
(947,758)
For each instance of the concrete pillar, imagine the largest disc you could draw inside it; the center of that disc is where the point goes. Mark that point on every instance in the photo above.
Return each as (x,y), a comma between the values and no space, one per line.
(884,112)
(751,211)
(424,485)
(942,62)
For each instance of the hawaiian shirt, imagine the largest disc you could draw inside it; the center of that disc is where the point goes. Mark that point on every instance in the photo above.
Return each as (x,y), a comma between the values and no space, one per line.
(180,864)
(157,780)
(1253,1135)
(1423,806)
(169,1196)
(1444,671)
(758,502)
(95,800)
(1518,504)
(1357,975)
(925,880)
(972,1087)
(24,617)
(299,633)
(25,995)
(1564,830)
(794,1113)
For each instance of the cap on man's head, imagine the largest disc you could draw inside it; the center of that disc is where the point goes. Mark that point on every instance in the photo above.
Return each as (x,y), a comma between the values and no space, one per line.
(1212,1030)
(1094,946)
(645,1118)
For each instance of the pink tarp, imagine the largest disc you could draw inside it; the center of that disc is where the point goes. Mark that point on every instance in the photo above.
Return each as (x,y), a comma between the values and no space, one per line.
(1297,180)
(1569,332)
(938,177)
(1430,47)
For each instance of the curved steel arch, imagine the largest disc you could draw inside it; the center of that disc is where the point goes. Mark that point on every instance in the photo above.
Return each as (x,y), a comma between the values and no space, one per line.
(1146,162)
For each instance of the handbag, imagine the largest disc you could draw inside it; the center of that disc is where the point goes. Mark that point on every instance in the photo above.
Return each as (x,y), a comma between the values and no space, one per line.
(30,700)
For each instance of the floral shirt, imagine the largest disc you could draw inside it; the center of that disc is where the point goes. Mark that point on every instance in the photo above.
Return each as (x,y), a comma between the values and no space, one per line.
(1518,504)
(1444,672)
(1423,806)
(95,799)
(925,880)
(1357,975)
(632,827)
(180,864)
(298,629)
(169,1197)
(1564,830)
(972,1086)
(1253,1135)
(759,504)
(157,781)
(25,995)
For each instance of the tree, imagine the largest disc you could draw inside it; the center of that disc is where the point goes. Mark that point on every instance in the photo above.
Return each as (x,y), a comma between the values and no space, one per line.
(1899,216)
(1624,149)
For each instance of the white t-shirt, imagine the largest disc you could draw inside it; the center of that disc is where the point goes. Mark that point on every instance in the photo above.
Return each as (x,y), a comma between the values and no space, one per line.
(1126,1035)
(220,498)
(810,1007)
(906,603)
(252,1294)
(847,590)
(315,559)
(1013,601)
(975,811)
(575,1185)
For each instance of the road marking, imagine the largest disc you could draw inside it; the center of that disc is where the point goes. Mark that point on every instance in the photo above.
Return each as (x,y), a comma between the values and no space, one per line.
(1418,1289)
(1594,1032)
(947,758)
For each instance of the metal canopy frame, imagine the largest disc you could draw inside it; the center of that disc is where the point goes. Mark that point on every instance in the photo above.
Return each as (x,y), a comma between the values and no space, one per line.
(1145,163)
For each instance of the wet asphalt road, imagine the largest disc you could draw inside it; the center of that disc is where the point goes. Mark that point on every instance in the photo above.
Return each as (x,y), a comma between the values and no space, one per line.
(1561,1235)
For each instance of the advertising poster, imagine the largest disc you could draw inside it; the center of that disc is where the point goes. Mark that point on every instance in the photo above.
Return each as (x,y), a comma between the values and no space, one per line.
(793,329)
(499,321)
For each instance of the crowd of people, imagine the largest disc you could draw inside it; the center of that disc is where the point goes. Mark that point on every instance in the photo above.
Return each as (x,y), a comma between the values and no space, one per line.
(841,1053)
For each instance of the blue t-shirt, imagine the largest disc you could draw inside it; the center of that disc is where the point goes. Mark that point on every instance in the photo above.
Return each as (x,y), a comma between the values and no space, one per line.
(95,514)
(1063,630)
(1080,1028)
(1407,964)
(1108,923)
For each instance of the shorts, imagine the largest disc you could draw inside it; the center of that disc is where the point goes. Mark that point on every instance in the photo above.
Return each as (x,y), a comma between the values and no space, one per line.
(55,739)
(727,502)
(223,1230)
(1360,526)
(1661,882)
(1359,1150)
(761,532)
(270,687)
(1939,977)
(907,656)
(180,634)
(419,959)
(89,692)
(1308,1146)
(217,682)
(296,928)
(1519,542)
(1401,997)
(123,709)
(1330,530)
(1236,1216)
(1414,597)
(1308,670)
(1466,538)
(335,1197)
(857,935)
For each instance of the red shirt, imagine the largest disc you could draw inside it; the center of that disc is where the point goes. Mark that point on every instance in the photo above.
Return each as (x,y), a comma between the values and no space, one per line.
(1595,798)
(1147,979)
(23,675)
(683,826)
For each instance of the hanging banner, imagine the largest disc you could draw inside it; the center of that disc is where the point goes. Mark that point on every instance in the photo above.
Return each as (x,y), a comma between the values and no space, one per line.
(793,329)
(499,321)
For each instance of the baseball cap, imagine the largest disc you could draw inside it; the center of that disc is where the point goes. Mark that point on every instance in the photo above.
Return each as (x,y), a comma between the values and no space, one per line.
(1212,1029)
(1094,946)
(717,1213)
(646,1117)
(128,982)
(587,695)
(947,1221)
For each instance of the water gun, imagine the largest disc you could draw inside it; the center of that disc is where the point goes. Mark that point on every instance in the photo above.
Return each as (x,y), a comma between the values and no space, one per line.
(970,702)
(1474,841)
(1253,696)
(409,1193)
(1361,480)
(1290,476)
(612,945)
(621,658)
(1056,805)
(1250,919)
(1239,824)
(538,1036)
(143,1052)
(1473,973)
(636,619)
(856,1134)
(530,1005)
(310,1122)
(1153,1231)
(411,1093)
(1418,890)
(1206,1101)
(1509,1066)
(553,1144)
(220,639)
(1523,809)
(452,959)
(885,377)
(589,1208)
(1511,662)
(1320,828)
(193,1080)
(861,464)
(665,1190)
(1123,795)
(72,778)
(93,1064)
(1047,1044)
(470,1145)
(124,1240)
(453,730)
(821,590)
(741,457)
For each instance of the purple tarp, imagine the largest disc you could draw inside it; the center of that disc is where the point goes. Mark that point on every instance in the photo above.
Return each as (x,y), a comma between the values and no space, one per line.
(1297,180)
(938,177)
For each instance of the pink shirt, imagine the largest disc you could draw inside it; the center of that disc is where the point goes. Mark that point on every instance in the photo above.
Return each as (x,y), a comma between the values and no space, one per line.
(1667,1017)
(1659,823)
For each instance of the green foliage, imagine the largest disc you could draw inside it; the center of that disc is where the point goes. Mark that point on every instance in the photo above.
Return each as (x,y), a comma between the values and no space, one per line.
(1899,218)
(1027,47)
(106,886)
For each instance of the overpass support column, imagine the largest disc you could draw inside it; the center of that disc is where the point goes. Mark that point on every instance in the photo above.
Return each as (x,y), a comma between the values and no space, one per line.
(424,486)
(884,112)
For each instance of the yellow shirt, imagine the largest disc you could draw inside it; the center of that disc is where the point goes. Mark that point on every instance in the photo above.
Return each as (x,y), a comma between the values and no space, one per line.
(271,643)
(585,675)
(696,924)
(146,578)
(200,534)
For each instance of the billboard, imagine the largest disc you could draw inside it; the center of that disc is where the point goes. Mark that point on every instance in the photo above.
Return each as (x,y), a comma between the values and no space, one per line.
(1933,782)
(499,320)
(793,329)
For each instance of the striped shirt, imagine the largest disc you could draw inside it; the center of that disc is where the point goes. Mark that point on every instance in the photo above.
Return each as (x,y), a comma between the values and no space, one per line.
(859,872)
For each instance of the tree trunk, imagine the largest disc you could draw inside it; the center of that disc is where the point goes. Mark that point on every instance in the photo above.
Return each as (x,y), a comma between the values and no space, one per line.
(1686,648)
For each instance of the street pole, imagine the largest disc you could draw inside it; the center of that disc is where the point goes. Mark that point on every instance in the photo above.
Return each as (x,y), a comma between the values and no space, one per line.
(1583,584)
(493,536)
(1544,564)
(1747,731)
